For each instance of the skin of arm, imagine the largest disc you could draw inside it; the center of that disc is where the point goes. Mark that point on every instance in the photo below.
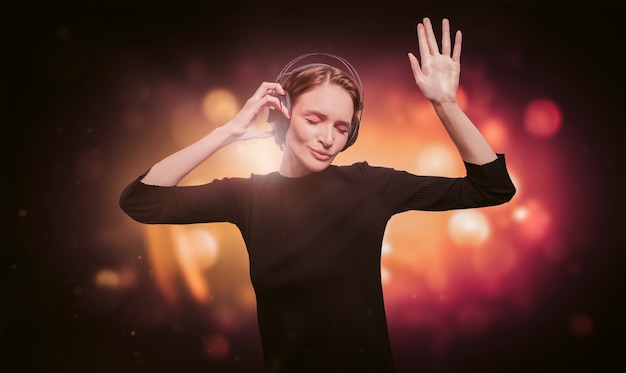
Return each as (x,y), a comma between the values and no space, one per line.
(437,77)
(172,169)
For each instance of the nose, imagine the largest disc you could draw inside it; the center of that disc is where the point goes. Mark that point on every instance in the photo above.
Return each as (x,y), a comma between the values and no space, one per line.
(326,135)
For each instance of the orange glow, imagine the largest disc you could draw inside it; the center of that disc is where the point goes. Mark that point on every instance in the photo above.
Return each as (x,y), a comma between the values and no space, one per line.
(262,156)
(437,160)
(182,251)
(163,260)
(107,278)
(542,118)
(461,98)
(115,279)
(495,132)
(187,124)
(219,106)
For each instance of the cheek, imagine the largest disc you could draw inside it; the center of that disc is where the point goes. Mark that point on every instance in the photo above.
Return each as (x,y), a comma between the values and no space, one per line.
(298,132)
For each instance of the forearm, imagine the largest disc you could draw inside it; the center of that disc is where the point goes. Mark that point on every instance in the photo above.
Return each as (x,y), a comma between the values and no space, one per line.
(172,169)
(470,143)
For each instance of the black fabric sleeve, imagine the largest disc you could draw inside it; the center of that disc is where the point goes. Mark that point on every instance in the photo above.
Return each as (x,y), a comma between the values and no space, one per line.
(485,185)
(212,202)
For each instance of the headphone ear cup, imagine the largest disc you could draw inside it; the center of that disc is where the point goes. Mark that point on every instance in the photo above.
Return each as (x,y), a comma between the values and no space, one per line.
(353,133)
(278,121)
(286,101)
(275,117)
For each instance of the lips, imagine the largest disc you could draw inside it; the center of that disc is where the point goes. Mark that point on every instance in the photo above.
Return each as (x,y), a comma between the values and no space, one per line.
(320,155)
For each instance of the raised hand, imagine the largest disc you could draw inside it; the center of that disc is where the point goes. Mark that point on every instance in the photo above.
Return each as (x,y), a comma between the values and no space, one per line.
(243,124)
(437,76)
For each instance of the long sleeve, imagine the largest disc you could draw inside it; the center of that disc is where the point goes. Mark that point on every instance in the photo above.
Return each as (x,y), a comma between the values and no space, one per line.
(484,185)
(212,202)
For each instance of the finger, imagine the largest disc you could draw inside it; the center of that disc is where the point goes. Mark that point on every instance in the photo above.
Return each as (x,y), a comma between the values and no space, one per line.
(261,91)
(430,36)
(421,42)
(279,88)
(268,88)
(274,103)
(445,37)
(456,52)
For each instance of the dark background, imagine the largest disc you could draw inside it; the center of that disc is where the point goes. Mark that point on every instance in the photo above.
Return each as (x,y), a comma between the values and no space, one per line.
(572,51)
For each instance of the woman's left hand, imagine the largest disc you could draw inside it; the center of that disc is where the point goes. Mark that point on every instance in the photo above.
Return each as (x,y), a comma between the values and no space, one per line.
(437,76)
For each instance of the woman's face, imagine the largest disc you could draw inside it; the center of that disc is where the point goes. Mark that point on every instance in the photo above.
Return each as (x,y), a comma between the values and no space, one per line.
(320,121)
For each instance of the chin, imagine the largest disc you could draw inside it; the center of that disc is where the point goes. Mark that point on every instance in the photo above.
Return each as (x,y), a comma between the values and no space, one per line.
(317,166)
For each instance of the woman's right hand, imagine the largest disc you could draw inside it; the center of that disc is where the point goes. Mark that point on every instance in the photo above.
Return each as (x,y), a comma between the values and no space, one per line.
(243,125)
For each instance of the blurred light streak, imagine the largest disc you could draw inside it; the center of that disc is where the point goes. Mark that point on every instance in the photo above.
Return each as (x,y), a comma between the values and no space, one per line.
(197,251)
(163,260)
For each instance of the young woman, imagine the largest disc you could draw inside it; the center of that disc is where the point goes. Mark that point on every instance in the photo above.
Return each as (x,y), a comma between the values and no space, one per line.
(313,230)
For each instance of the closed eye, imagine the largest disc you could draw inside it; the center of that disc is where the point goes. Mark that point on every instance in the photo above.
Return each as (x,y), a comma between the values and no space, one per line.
(341,127)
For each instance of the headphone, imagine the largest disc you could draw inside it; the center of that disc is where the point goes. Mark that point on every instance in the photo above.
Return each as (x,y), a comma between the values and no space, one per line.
(276,119)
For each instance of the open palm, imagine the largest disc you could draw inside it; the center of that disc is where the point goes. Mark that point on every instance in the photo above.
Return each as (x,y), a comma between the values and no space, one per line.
(437,76)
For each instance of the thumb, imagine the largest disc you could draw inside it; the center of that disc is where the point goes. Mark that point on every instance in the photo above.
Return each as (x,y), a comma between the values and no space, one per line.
(415,67)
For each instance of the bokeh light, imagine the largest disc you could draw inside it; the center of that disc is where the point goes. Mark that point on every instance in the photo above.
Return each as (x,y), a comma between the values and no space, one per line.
(437,160)
(469,228)
(533,219)
(542,118)
(217,347)
(219,105)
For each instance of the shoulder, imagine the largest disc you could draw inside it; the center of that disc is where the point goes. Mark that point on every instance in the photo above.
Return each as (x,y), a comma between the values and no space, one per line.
(364,168)
(364,172)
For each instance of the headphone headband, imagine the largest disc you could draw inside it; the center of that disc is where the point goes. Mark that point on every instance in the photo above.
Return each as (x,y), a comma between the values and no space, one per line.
(349,67)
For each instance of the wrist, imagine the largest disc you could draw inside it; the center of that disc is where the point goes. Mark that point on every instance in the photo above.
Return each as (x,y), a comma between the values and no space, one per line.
(225,134)
(445,105)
